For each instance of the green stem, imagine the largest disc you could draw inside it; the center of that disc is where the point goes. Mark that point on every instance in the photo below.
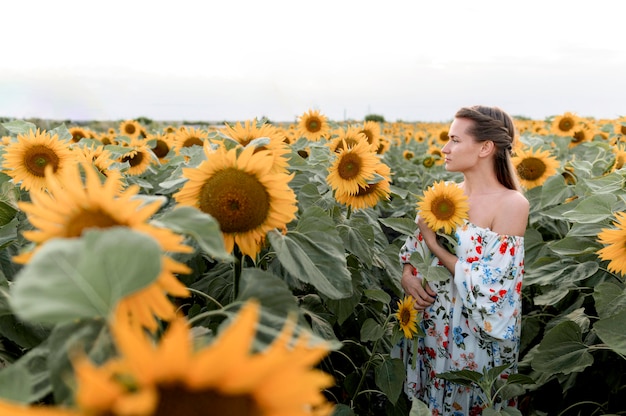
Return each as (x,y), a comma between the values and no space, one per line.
(368,363)
(237,269)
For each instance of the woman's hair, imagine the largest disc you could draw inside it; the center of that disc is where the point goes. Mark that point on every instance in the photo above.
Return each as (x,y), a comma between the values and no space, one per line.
(493,123)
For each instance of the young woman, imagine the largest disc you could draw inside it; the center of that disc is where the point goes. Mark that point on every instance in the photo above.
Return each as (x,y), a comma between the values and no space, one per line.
(472,321)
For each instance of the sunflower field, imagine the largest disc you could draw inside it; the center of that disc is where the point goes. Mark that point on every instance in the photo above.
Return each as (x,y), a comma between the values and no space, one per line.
(251,268)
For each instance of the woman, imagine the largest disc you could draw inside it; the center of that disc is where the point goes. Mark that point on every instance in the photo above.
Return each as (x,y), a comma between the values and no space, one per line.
(471,321)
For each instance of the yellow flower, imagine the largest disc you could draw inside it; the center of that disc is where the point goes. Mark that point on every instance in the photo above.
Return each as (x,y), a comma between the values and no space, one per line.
(249,131)
(352,168)
(242,194)
(371,129)
(139,157)
(27,158)
(313,125)
(79,133)
(407,316)
(443,206)
(164,142)
(534,167)
(226,377)
(369,195)
(189,136)
(70,207)
(408,154)
(565,124)
(615,251)
(346,138)
(97,156)
(130,128)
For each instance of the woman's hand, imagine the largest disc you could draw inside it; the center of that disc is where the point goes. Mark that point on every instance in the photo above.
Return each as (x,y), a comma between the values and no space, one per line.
(422,293)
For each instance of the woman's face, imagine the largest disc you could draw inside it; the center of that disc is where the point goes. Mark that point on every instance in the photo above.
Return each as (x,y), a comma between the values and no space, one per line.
(462,150)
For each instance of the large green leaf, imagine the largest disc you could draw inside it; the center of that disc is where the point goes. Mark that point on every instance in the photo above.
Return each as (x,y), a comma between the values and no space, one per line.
(574,246)
(27,379)
(610,298)
(554,191)
(314,253)
(358,238)
(69,279)
(389,377)
(268,289)
(200,226)
(19,126)
(562,350)
(405,226)
(611,331)
(371,330)
(593,209)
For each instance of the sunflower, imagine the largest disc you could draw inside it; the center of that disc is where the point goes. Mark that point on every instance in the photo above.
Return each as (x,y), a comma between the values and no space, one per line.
(130,128)
(443,206)
(369,195)
(242,194)
(437,154)
(582,133)
(408,154)
(407,316)
(383,146)
(139,157)
(163,144)
(251,130)
(348,137)
(188,137)
(440,136)
(97,156)
(565,124)
(70,207)
(313,125)
(78,133)
(352,168)
(615,251)
(27,157)
(225,377)
(534,167)
(371,130)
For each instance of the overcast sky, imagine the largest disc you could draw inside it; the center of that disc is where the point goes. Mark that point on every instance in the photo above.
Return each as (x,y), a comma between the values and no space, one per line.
(415,60)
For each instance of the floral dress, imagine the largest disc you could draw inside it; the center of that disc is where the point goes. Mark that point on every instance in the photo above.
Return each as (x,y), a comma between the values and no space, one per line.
(474,322)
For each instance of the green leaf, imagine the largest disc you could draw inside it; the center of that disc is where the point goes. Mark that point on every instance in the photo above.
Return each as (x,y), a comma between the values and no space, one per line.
(19,126)
(610,298)
(86,277)
(593,209)
(27,379)
(342,410)
(405,226)
(389,377)
(574,246)
(562,350)
(371,330)
(610,183)
(419,408)
(554,191)
(201,226)
(314,253)
(377,295)
(611,331)
(358,238)
(463,377)
(270,290)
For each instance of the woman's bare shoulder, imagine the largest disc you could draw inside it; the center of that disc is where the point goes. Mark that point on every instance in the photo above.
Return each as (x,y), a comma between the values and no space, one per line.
(512,217)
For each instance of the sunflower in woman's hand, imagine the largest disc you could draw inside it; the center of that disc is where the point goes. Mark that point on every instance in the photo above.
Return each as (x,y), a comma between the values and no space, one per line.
(443,206)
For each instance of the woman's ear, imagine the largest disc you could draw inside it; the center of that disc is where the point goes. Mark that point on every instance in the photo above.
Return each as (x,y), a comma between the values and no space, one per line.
(487,147)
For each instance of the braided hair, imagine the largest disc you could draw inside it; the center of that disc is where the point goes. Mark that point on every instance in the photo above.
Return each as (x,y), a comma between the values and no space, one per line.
(493,123)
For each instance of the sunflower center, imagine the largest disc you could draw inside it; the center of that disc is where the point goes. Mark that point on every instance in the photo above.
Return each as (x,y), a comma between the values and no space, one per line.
(405,316)
(38,158)
(578,137)
(193,141)
(368,189)
(130,129)
(349,166)
(313,125)
(443,208)
(236,199)
(133,160)
(86,219)
(428,162)
(161,149)
(531,169)
(566,124)
(178,400)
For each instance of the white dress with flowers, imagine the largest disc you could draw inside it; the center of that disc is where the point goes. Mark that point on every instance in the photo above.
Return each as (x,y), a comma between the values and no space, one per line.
(474,322)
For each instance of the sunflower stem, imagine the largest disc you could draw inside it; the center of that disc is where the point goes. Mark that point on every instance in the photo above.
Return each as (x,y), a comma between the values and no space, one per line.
(369,361)
(237,268)
(349,212)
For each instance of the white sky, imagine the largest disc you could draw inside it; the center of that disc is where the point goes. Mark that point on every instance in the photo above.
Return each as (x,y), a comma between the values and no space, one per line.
(416,60)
